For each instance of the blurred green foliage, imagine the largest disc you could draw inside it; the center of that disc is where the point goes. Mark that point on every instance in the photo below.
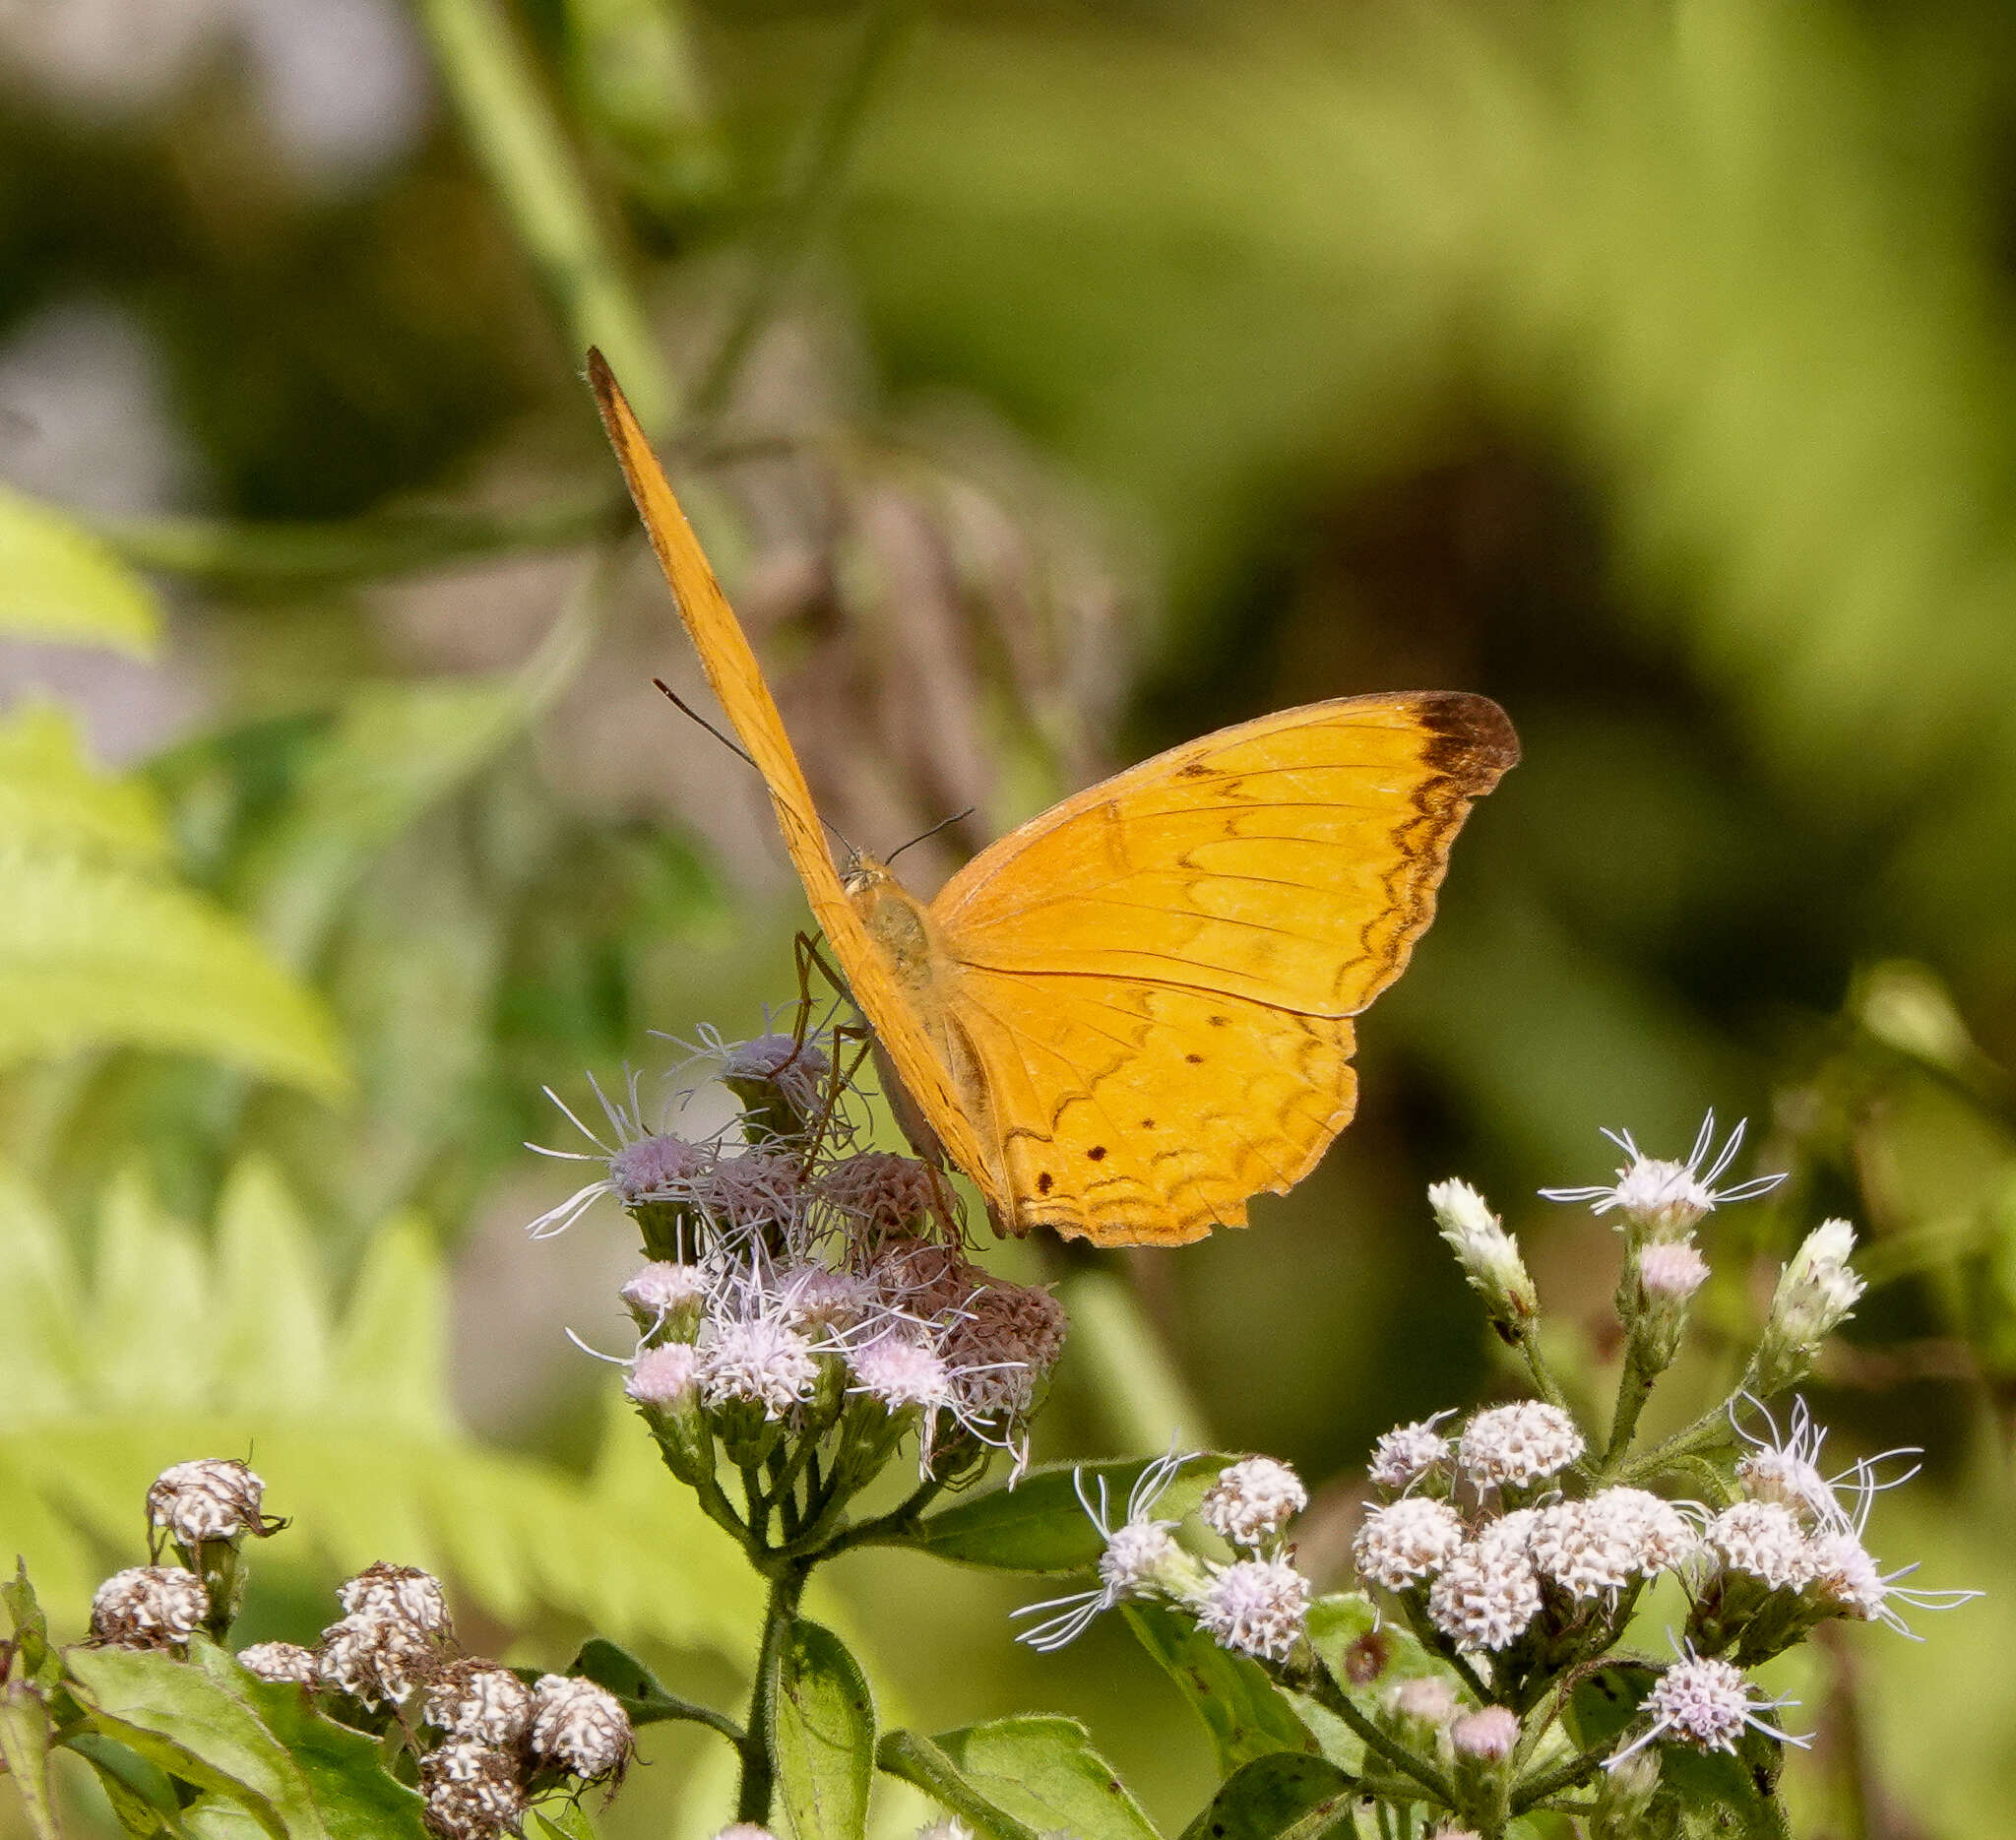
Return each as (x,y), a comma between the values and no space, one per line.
(1051,381)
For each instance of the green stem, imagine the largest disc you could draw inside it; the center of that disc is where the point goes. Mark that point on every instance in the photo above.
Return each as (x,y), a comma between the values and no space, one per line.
(803,211)
(759,1768)
(1546,1787)
(887,1528)
(530,163)
(1335,1699)
(1711,1428)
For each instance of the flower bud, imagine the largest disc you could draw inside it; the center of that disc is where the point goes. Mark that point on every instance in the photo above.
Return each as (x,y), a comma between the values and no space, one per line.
(667,1297)
(1668,1273)
(1816,1292)
(1488,1254)
(1624,1795)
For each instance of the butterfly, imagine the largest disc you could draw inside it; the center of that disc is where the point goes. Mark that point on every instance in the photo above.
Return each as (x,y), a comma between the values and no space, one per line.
(1132,1014)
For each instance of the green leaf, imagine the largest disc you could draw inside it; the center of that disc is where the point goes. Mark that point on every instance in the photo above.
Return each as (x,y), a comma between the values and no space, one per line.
(1044,1773)
(141,1794)
(354,1797)
(1042,1523)
(1280,1795)
(568,1821)
(53,797)
(196,1728)
(1604,1703)
(32,1658)
(1366,1658)
(24,1751)
(397,751)
(93,955)
(916,1760)
(58,582)
(643,1700)
(823,1734)
(1245,1714)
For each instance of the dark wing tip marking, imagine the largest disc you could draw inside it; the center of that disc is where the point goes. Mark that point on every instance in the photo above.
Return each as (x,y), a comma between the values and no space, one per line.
(1472,740)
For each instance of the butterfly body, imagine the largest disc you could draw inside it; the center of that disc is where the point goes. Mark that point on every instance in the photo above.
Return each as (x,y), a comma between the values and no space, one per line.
(1134,1012)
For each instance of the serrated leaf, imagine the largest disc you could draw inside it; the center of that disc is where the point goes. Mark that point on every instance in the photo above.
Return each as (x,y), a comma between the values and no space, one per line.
(93,954)
(58,582)
(24,1751)
(1044,1773)
(181,1718)
(389,1357)
(1281,1795)
(1245,1714)
(344,1770)
(1042,1523)
(53,798)
(271,1315)
(823,1734)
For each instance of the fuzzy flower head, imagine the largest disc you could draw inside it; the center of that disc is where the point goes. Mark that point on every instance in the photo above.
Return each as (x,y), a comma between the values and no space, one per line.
(212,1498)
(821,1301)
(1488,1254)
(1764,1541)
(761,1360)
(1593,1548)
(877,1193)
(1487,1735)
(1425,1699)
(1663,1199)
(666,1378)
(149,1607)
(1787,1469)
(1253,1501)
(1004,1339)
(1670,1272)
(472,1791)
(1141,1558)
(796,1071)
(639,1165)
(901,1371)
(375,1655)
(1409,1454)
(1406,1540)
(402,1592)
(1485,1595)
(479,1701)
(579,1727)
(1706,1705)
(1256,1606)
(1847,1582)
(666,1290)
(1510,1446)
(281,1661)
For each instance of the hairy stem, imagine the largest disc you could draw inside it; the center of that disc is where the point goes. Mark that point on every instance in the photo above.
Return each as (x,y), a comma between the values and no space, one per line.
(1335,1699)
(759,1767)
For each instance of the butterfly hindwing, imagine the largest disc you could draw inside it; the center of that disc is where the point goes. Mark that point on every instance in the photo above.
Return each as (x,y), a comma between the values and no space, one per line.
(1156,976)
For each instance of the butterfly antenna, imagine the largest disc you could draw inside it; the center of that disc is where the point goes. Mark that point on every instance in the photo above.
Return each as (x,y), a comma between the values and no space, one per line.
(685,708)
(734,746)
(958,817)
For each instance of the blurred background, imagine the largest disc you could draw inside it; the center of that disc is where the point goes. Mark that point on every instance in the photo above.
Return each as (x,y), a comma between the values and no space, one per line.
(1051,381)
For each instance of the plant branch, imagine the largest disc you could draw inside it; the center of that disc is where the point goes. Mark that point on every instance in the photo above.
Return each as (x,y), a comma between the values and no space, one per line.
(759,1767)
(803,211)
(1335,1699)
(530,165)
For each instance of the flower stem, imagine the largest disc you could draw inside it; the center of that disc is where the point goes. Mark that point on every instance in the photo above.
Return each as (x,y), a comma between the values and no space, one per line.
(1335,1699)
(759,1768)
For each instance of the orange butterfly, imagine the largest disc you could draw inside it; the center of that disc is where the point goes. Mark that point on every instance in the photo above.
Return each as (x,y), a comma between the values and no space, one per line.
(1133,1013)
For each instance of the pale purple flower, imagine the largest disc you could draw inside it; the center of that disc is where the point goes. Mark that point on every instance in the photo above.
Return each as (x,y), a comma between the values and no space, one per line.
(1666,1198)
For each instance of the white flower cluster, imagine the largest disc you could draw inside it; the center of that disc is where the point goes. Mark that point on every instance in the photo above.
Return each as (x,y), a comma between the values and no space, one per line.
(1257,1604)
(1800,1531)
(488,1742)
(1485,1575)
(1663,1199)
